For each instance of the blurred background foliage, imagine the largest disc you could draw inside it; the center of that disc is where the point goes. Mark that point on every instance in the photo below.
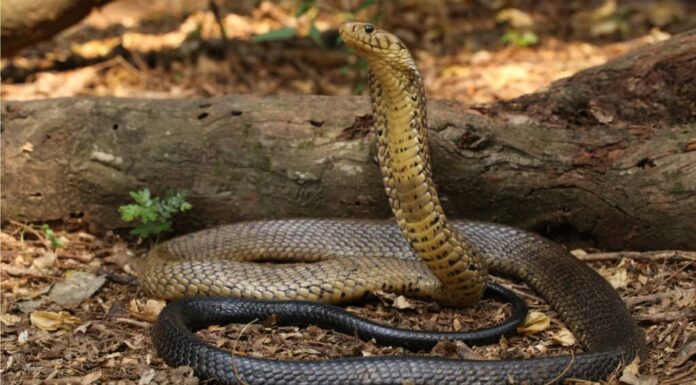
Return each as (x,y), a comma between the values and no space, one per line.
(470,50)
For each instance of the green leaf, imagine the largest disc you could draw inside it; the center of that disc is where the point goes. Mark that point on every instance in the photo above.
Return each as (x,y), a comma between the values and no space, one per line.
(141,197)
(50,235)
(276,34)
(129,212)
(315,34)
(305,6)
(520,39)
(145,230)
(153,213)
(530,38)
(148,214)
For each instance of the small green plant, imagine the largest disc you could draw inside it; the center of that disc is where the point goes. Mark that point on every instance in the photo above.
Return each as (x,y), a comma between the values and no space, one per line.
(153,214)
(520,39)
(56,241)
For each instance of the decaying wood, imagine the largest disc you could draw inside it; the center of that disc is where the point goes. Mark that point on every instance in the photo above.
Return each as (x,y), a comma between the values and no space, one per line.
(25,22)
(601,177)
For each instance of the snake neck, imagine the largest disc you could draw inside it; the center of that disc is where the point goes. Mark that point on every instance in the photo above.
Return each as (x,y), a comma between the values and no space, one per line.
(399,110)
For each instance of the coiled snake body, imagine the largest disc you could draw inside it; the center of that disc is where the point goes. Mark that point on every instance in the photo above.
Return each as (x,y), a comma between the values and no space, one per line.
(336,261)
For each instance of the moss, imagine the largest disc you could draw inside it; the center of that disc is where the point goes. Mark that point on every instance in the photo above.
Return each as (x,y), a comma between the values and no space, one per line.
(306,144)
(260,158)
(679,188)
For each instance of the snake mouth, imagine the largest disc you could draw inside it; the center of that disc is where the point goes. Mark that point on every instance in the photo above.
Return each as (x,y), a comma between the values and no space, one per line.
(353,38)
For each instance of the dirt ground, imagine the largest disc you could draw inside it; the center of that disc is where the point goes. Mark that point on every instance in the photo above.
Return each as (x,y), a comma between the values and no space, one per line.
(74,314)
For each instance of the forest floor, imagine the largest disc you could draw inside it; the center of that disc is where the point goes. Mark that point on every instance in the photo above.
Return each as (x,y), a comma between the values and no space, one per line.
(74,314)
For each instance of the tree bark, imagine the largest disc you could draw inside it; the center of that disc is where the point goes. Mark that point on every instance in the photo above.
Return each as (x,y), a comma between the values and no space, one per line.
(591,173)
(25,22)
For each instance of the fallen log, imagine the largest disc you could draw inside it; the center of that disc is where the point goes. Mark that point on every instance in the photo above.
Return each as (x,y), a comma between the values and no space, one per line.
(27,22)
(585,173)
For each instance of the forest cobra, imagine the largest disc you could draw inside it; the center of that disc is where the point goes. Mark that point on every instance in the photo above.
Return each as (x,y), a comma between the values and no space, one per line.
(336,261)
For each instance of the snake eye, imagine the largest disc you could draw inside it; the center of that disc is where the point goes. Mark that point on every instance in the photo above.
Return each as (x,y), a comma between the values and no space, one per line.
(369,28)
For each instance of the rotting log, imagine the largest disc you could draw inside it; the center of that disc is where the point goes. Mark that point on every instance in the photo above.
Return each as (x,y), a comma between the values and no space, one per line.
(578,172)
(25,22)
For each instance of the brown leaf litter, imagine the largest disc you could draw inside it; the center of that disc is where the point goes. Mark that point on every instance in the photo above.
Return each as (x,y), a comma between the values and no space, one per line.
(105,339)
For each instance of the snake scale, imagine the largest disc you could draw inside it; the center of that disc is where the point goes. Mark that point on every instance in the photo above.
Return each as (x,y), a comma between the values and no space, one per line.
(337,261)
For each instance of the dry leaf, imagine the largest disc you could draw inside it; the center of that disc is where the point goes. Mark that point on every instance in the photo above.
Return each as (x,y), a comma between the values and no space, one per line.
(147,312)
(43,264)
(121,255)
(40,266)
(77,286)
(83,328)
(535,322)
(563,337)
(23,337)
(691,146)
(147,377)
(687,298)
(687,351)
(617,276)
(662,13)
(631,375)
(29,306)
(8,319)
(456,325)
(465,352)
(605,10)
(402,303)
(90,378)
(515,17)
(600,115)
(95,48)
(307,351)
(28,147)
(50,321)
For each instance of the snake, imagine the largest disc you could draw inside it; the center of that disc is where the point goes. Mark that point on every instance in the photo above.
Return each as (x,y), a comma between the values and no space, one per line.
(300,269)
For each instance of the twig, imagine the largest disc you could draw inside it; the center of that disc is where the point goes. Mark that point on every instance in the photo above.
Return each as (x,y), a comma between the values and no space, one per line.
(678,333)
(234,347)
(668,316)
(663,282)
(650,298)
(647,255)
(218,17)
(517,289)
(38,234)
(681,376)
(132,322)
(563,373)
